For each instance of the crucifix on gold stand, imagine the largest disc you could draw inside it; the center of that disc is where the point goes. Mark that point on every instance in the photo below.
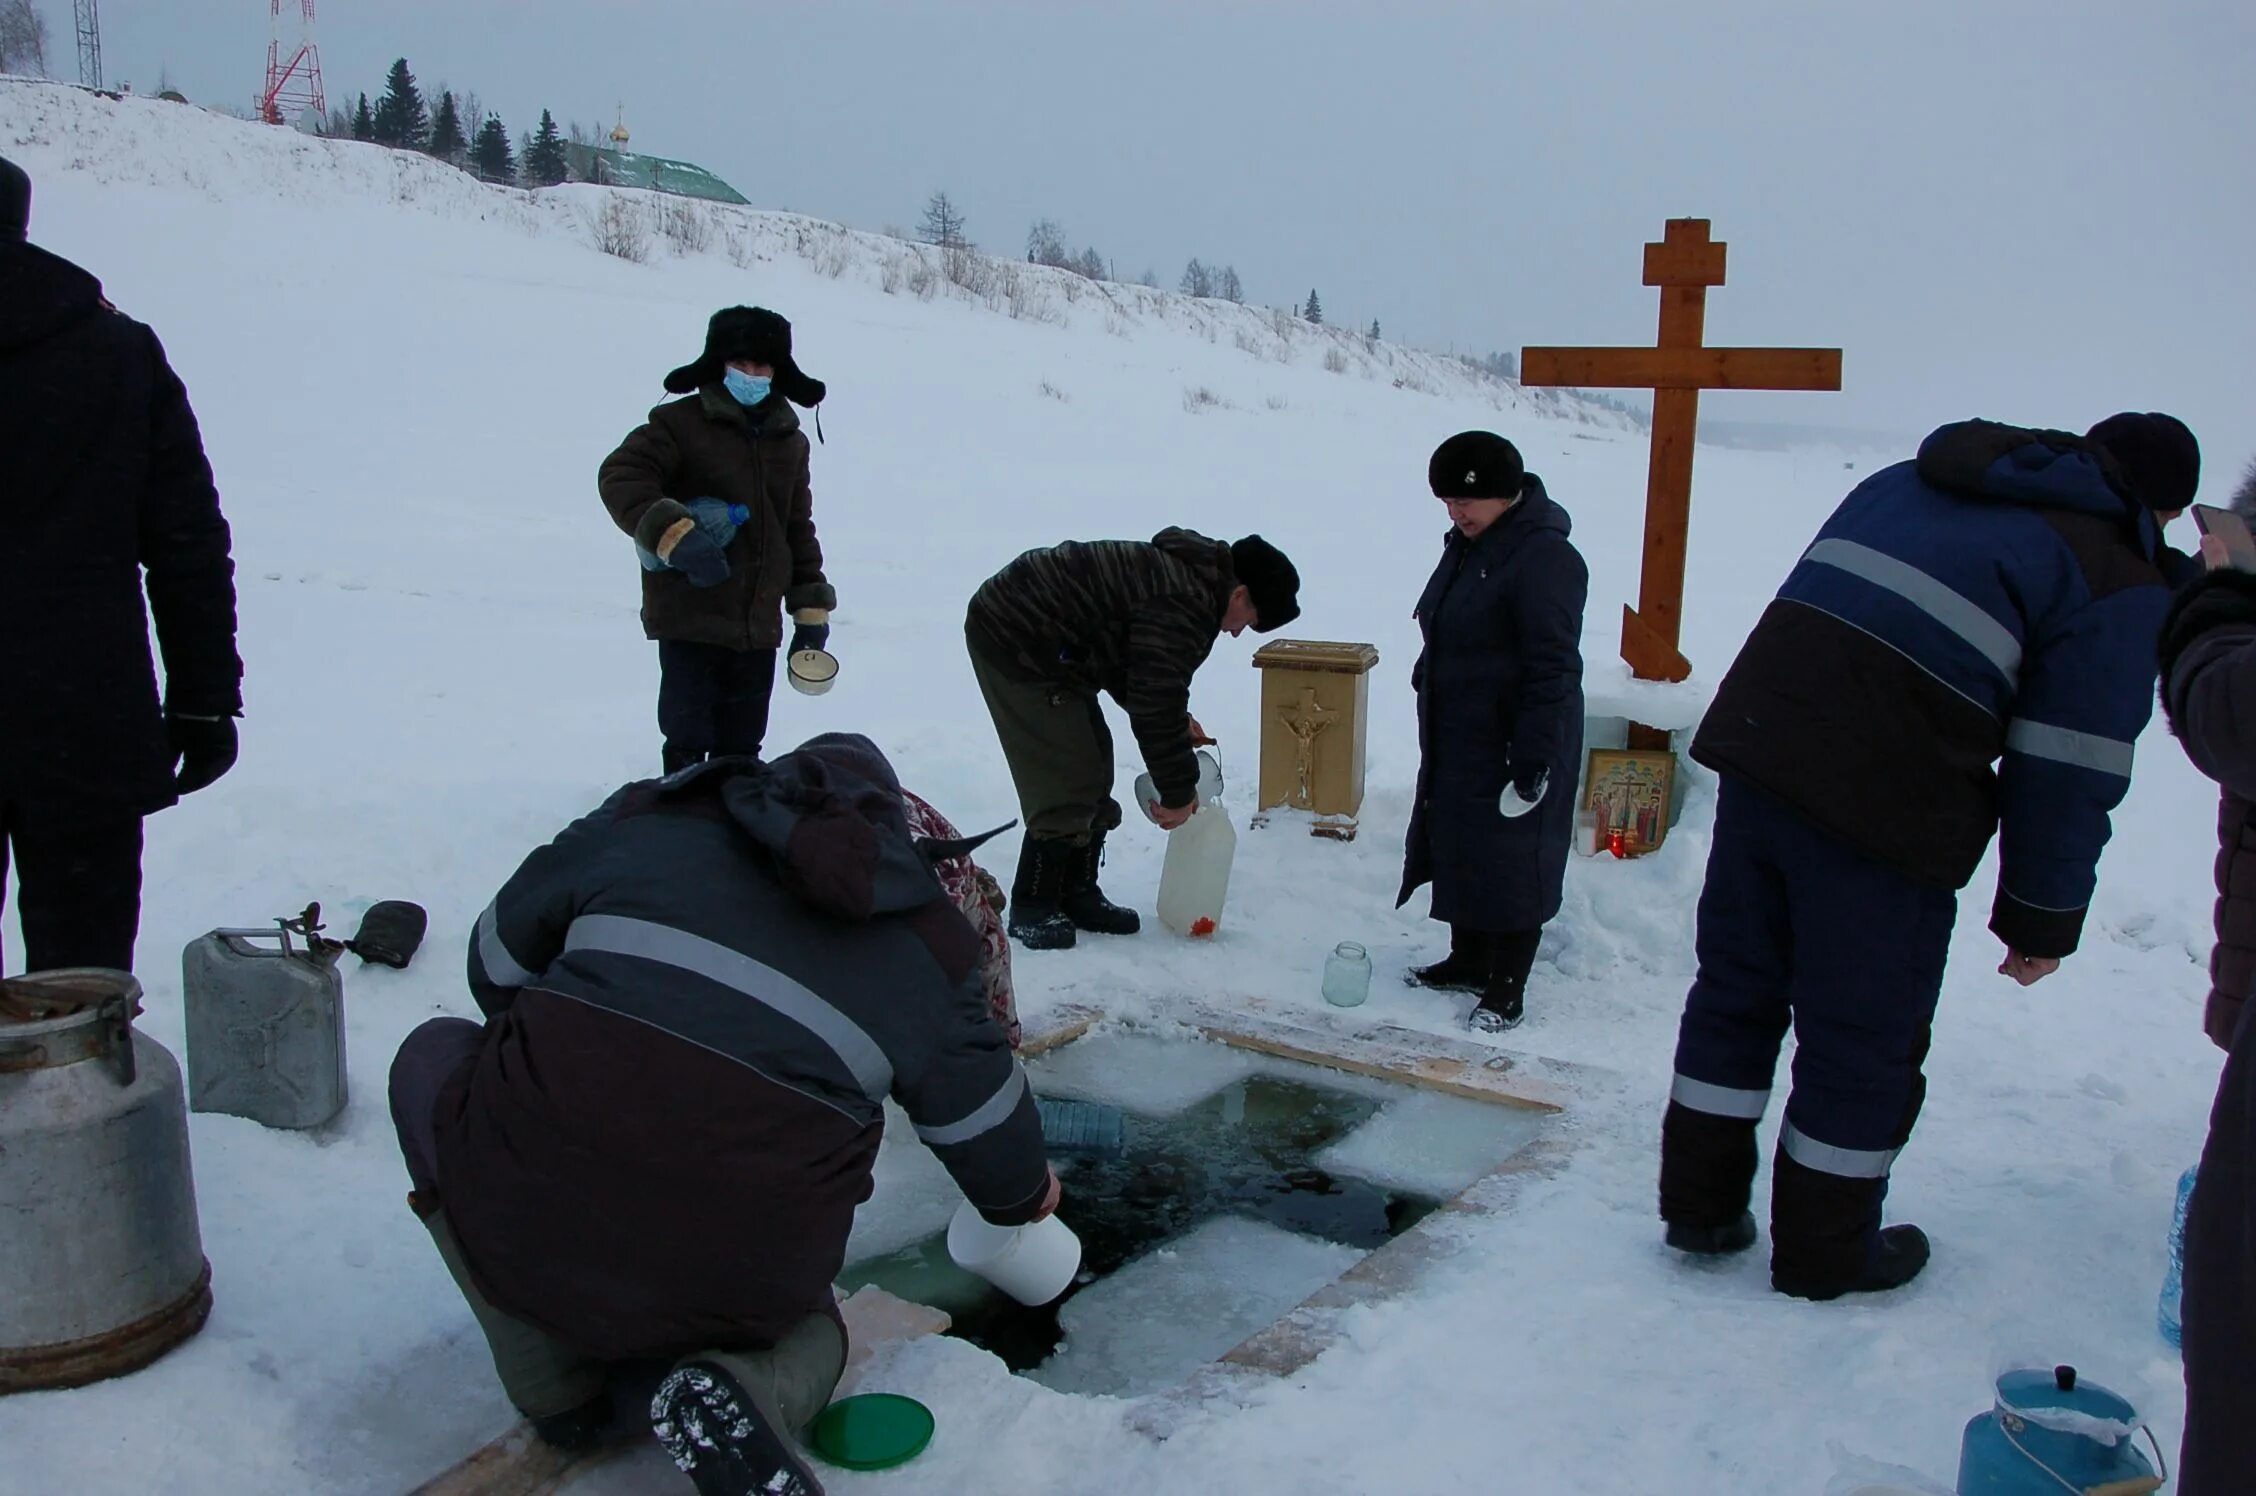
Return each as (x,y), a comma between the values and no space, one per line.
(1683,265)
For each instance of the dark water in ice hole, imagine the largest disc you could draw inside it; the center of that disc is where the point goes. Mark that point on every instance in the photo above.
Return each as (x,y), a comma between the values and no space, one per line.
(1244,1151)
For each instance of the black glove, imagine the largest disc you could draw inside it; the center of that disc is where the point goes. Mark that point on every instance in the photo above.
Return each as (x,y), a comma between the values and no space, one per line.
(203,748)
(809,636)
(390,933)
(700,558)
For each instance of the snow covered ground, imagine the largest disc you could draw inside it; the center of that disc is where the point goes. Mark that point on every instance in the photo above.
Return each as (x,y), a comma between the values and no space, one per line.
(406,382)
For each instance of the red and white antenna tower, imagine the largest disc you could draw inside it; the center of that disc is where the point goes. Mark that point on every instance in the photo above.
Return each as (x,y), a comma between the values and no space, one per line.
(293,74)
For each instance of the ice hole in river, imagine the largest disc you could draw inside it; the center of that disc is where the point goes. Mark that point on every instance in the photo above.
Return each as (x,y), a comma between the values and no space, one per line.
(1249,1183)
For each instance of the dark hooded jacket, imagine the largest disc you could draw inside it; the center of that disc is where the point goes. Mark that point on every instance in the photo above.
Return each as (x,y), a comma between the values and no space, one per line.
(1998,598)
(698,999)
(106,491)
(1499,684)
(706,445)
(1131,618)
(2209,692)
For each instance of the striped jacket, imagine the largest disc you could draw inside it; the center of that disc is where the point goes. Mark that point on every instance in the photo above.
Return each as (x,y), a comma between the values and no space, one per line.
(699,999)
(1966,651)
(1131,618)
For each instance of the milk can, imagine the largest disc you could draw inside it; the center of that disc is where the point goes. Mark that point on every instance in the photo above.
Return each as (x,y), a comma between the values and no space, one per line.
(103,1260)
(266,1026)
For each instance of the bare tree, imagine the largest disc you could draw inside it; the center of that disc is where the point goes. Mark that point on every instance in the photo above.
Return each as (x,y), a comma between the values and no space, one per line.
(943,223)
(23,38)
(1197,280)
(1150,278)
(1227,286)
(1093,265)
(1045,245)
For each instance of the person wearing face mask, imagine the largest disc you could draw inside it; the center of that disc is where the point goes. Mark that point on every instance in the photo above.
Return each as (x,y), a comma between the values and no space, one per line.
(1499,687)
(714,490)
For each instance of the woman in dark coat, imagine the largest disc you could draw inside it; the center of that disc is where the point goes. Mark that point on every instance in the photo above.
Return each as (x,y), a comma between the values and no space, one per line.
(2209,692)
(1499,722)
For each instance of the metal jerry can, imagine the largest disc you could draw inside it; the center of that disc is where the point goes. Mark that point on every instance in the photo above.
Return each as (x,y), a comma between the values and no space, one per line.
(266,1026)
(2048,1432)
(104,1264)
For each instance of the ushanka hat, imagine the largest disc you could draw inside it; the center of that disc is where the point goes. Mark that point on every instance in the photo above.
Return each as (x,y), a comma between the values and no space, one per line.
(753,334)
(1476,465)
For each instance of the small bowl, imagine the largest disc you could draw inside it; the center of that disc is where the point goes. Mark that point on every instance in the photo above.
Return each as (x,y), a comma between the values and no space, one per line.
(811,671)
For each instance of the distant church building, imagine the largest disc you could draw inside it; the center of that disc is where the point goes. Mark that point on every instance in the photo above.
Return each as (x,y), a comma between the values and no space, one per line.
(616,166)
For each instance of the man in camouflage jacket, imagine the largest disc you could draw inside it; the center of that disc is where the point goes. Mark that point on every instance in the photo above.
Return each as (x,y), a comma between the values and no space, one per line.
(1131,619)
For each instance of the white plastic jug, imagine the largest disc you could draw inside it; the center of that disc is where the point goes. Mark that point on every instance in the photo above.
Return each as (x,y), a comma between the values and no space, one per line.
(1195,878)
(1033,1264)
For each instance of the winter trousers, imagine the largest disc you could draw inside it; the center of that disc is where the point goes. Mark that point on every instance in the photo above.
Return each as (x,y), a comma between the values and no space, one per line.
(1059,749)
(1797,930)
(712,700)
(541,1374)
(2219,1312)
(78,883)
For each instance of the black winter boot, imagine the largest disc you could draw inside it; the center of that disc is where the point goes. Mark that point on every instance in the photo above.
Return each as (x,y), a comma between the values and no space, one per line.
(1500,1006)
(1464,969)
(1085,904)
(576,1430)
(1825,1234)
(1713,1241)
(1900,1257)
(1047,867)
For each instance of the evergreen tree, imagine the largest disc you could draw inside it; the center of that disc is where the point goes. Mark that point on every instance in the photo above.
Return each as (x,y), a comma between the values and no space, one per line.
(1374,329)
(492,155)
(400,118)
(1227,286)
(943,223)
(447,140)
(1314,311)
(363,121)
(545,165)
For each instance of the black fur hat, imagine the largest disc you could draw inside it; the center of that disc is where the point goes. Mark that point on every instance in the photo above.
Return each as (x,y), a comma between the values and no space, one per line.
(1269,579)
(15,201)
(2158,457)
(756,334)
(1476,465)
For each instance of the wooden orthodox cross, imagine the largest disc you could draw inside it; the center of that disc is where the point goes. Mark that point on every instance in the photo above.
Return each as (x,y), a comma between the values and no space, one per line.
(1684,264)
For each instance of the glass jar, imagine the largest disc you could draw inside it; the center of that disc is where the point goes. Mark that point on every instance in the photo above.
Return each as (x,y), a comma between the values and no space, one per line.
(1347,975)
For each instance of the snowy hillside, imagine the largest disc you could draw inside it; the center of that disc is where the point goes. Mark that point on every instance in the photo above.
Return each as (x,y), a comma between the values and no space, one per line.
(405,382)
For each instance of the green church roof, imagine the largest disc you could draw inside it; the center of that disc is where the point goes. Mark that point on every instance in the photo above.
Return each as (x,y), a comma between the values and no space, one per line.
(617,168)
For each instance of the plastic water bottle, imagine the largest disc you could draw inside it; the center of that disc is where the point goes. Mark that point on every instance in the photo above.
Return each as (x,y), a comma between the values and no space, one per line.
(716,518)
(2173,1278)
(1194,877)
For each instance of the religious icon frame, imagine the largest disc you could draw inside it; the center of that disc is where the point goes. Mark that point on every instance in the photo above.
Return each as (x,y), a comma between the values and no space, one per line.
(1626,798)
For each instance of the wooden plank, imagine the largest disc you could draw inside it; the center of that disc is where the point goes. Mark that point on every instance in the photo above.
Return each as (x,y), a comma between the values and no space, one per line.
(1648,655)
(1429,1061)
(1668,514)
(1684,264)
(1683,368)
(1063,1025)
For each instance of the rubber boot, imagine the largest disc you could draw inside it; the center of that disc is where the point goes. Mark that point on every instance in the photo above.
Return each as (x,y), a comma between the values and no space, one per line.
(729,1418)
(1045,864)
(1085,904)
(564,1395)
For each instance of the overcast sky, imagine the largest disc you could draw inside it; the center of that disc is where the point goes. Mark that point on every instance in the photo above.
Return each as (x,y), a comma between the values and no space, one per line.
(2040,212)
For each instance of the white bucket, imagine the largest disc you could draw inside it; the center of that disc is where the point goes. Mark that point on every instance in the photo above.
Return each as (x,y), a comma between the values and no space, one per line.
(1033,1264)
(811,671)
